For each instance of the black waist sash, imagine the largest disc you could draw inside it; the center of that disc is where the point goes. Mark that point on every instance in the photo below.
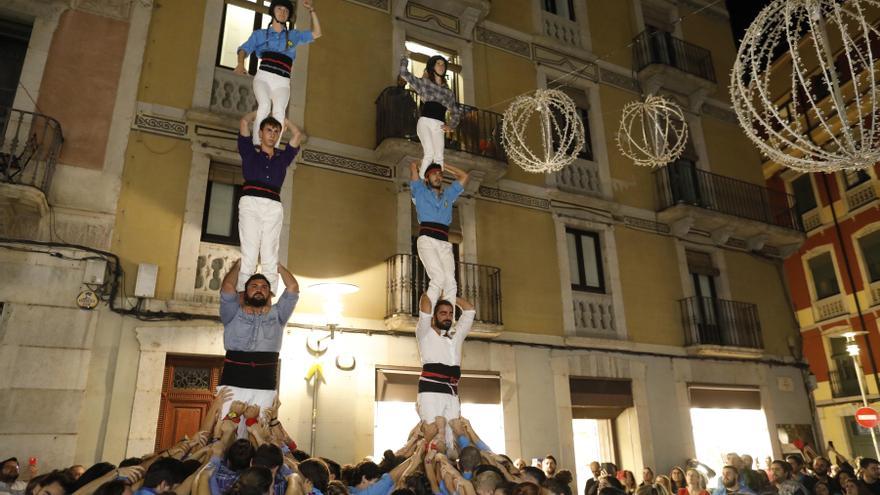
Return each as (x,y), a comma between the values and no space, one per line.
(276,63)
(261,190)
(258,370)
(439,378)
(434,110)
(435,230)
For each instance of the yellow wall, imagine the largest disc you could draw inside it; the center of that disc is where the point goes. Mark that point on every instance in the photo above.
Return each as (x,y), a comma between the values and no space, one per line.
(348,68)
(651,285)
(633,185)
(715,35)
(149,215)
(610,38)
(757,281)
(730,151)
(172,53)
(516,14)
(343,229)
(522,242)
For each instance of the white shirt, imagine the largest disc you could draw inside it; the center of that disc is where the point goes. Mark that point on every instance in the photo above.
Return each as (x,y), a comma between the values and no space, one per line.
(434,348)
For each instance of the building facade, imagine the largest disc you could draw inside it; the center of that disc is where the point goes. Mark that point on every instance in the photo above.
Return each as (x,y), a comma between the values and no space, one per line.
(615,303)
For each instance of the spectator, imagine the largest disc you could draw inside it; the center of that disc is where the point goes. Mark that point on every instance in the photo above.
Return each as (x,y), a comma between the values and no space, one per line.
(821,470)
(749,476)
(647,476)
(677,477)
(519,463)
(730,483)
(591,487)
(74,472)
(870,475)
(664,481)
(629,482)
(782,479)
(548,465)
(695,483)
(9,482)
(799,472)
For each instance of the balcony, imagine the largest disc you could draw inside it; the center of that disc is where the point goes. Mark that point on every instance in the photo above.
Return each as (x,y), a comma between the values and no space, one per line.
(562,30)
(726,207)
(662,60)
(844,382)
(475,144)
(407,280)
(715,324)
(594,314)
(29,147)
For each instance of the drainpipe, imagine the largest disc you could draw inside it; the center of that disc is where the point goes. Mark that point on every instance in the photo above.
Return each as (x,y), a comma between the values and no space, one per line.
(852,283)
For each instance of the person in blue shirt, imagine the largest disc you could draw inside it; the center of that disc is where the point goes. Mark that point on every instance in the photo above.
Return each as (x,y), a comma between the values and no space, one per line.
(434,210)
(275,46)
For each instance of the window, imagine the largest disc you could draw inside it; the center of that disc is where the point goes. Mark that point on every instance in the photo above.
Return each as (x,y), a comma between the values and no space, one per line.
(220,220)
(14,39)
(562,8)
(421,52)
(585,261)
(824,277)
(240,19)
(870,245)
(852,178)
(580,99)
(804,199)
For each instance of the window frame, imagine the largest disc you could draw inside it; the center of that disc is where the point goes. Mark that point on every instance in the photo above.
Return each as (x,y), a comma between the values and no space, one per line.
(553,7)
(862,175)
(798,208)
(252,61)
(863,259)
(231,240)
(812,280)
(600,269)
(453,67)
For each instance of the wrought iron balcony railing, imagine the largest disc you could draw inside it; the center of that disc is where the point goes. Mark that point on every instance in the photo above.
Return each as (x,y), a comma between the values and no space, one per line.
(478,132)
(407,280)
(844,382)
(29,147)
(683,183)
(711,321)
(660,47)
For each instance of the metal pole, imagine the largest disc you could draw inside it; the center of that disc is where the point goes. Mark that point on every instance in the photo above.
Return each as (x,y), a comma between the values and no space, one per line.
(317,378)
(859,377)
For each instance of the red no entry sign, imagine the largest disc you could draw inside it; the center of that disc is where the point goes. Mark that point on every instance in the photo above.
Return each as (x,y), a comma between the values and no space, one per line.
(867,417)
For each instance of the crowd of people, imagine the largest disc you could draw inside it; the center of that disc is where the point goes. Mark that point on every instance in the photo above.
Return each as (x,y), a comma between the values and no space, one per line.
(252,454)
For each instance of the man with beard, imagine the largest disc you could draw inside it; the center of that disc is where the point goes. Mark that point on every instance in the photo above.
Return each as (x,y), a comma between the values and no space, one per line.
(591,487)
(440,347)
(781,478)
(252,332)
(821,466)
(730,483)
(9,482)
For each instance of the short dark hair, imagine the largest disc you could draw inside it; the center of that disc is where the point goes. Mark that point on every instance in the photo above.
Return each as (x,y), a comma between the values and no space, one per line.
(564,475)
(270,120)
(784,464)
(92,473)
(535,473)
(736,470)
(403,491)
(796,458)
(60,477)
(557,486)
(366,469)
(442,302)
(167,469)
(239,454)
(469,458)
(418,483)
(527,488)
(867,461)
(316,471)
(337,487)
(255,480)
(334,468)
(550,456)
(131,461)
(487,480)
(257,276)
(347,474)
(114,487)
(268,455)
(300,455)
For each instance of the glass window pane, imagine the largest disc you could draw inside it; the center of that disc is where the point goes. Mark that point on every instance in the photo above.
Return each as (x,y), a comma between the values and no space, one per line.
(870,245)
(236,30)
(853,178)
(824,278)
(804,198)
(221,209)
(591,264)
(418,68)
(573,261)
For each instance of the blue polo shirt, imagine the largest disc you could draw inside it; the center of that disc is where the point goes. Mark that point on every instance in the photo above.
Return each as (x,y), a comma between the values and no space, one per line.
(382,486)
(269,40)
(433,208)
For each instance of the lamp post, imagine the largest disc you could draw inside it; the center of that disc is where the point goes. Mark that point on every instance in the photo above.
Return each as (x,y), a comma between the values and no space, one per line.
(852,348)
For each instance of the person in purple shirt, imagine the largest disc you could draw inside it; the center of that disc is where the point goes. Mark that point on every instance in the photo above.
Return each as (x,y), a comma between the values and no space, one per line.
(260,212)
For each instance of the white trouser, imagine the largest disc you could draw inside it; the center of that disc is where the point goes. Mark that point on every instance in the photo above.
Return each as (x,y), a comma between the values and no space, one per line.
(433,404)
(271,92)
(431,135)
(262,398)
(436,256)
(259,230)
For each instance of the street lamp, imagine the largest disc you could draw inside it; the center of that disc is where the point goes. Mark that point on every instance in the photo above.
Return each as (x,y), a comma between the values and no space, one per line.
(852,348)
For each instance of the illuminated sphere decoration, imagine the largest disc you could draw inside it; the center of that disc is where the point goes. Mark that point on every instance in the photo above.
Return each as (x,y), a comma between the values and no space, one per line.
(652,132)
(562,131)
(822,53)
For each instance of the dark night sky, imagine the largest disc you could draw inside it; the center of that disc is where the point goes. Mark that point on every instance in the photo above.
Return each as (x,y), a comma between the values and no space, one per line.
(742,12)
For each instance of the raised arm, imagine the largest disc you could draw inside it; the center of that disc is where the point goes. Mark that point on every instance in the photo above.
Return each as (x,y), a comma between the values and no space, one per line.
(460,175)
(464,304)
(316,26)
(425,304)
(296,134)
(414,171)
(289,280)
(231,279)
(244,125)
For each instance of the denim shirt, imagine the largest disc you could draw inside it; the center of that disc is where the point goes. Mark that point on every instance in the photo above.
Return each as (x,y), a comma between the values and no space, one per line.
(433,208)
(254,332)
(269,40)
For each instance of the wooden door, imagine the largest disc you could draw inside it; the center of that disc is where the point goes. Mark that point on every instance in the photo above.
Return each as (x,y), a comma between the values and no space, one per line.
(187,390)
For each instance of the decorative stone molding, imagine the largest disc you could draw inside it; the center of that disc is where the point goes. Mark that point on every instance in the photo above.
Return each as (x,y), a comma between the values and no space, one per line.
(503,42)
(563,62)
(682,226)
(594,314)
(335,161)
(616,79)
(382,5)
(512,197)
(645,224)
(581,177)
(117,9)
(861,195)
(232,93)
(160,125)
(420,13)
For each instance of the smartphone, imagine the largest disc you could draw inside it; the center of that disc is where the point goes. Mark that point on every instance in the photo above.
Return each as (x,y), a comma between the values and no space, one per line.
(32,461)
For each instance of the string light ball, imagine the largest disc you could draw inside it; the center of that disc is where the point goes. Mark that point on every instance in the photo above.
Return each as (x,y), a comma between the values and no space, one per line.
(652,132)
(827,64)
(562,131)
